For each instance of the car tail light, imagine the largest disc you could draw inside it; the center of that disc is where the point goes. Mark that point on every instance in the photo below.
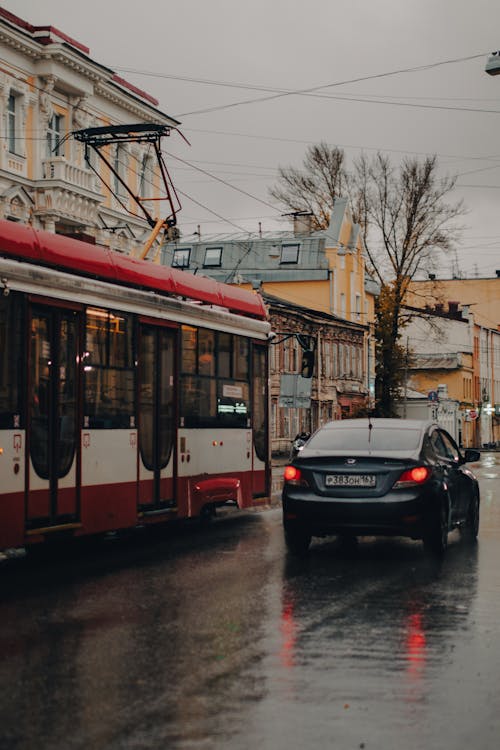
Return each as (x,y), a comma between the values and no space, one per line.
(293,475)
(414,476)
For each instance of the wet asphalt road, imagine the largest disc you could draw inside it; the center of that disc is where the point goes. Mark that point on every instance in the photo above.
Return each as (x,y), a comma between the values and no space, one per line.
(214,639)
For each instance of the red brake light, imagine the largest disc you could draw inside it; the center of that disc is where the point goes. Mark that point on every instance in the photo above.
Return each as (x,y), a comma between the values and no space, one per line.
(416,475)
(291,474)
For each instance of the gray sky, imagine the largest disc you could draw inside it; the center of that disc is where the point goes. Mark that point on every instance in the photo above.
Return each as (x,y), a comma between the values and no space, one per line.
(290,45)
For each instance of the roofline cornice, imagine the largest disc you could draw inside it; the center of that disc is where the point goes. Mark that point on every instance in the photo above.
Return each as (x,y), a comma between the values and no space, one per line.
(19,41)
(71,58)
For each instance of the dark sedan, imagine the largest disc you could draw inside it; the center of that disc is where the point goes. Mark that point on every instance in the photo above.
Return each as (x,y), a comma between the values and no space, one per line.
(380,477)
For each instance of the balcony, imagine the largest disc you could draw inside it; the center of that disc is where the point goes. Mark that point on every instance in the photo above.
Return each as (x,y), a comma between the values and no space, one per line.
(66,194)
(16,164)
(69,176)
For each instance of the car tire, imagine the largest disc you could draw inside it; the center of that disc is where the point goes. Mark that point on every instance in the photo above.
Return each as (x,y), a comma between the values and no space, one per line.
(436,533)
(471,528)
(297,539)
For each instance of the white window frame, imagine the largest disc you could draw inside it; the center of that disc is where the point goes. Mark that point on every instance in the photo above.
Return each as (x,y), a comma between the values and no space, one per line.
(12,122)
(185,254)
(358,306)
(146,177)
(120,166)
(290,253)
(55,128)
(216,260)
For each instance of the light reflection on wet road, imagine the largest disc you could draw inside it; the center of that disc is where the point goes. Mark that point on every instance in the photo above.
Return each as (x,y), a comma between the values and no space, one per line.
(219,640)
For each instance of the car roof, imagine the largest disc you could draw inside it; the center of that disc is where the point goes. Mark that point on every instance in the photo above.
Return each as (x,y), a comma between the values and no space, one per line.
(383,422)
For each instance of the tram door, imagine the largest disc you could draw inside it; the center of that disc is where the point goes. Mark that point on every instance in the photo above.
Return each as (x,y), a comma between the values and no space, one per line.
(53,410)
(156,418)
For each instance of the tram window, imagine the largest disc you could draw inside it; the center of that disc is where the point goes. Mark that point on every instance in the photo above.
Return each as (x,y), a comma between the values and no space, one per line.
(240,370)
(11,347)
(224,352)
(233,404)
(108,369)
(189,349)
(198,401)
(120,340)
(215,379)
(206,352)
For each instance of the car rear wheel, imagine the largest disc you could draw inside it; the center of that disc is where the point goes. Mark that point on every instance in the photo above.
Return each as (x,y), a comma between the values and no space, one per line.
(436,534)
(471,528)
(297,539)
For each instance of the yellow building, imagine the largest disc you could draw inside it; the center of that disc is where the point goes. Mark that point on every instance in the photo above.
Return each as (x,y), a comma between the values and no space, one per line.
(482,296)
(476,384)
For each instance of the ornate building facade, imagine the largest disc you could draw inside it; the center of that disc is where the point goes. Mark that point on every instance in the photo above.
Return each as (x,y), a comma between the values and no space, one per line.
(50,87)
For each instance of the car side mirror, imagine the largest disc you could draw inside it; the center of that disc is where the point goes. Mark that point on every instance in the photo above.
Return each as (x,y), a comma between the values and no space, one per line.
(470,456)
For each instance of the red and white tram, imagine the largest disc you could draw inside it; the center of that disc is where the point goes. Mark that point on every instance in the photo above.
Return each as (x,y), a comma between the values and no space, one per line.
(130,393)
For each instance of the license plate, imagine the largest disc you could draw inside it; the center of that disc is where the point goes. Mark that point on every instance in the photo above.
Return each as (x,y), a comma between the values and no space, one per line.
(350,480)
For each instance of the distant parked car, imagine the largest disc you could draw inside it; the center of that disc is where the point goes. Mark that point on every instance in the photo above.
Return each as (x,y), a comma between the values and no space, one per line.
(397,477)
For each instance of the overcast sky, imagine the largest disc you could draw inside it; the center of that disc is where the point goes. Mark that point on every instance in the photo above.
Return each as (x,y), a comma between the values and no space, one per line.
(199,55)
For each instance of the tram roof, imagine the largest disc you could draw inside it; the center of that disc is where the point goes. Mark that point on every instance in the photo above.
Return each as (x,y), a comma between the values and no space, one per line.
(65,253)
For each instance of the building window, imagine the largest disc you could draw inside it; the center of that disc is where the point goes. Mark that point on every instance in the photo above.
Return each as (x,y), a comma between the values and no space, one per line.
(54,131)
(358,307)
(213,257)
(290,253)
(327,359)
(146,177)
(181,258)
(120,167)
(11,123)
(342,304)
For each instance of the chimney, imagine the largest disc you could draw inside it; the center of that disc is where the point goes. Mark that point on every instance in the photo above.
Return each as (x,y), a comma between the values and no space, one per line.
(453,310)
(302,223)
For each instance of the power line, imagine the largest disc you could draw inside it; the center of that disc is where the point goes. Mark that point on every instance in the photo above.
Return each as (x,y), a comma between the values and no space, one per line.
(201,205)
(276,93)
(223,182)
(315,89)
(258,87)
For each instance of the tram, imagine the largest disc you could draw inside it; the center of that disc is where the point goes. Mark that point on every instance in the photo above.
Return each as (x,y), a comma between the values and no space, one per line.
(130,393)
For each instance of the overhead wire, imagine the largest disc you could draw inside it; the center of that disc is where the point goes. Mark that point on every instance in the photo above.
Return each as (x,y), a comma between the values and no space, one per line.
(219,179)
(313,90)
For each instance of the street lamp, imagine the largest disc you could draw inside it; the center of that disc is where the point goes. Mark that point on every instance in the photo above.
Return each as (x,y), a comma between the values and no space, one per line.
(492,66)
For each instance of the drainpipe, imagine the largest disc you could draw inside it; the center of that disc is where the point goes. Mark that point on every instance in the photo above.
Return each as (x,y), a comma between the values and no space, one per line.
(318,349)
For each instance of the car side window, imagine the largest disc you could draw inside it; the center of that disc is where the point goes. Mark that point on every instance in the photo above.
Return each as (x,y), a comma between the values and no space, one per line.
(451,448)
(438,445)
(428,450)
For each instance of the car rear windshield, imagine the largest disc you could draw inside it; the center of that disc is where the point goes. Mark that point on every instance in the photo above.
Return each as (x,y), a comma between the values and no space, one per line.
(364,439)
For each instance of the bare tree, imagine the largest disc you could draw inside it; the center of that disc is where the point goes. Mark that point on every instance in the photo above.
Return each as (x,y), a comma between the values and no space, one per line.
(314,187)
(407,222)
